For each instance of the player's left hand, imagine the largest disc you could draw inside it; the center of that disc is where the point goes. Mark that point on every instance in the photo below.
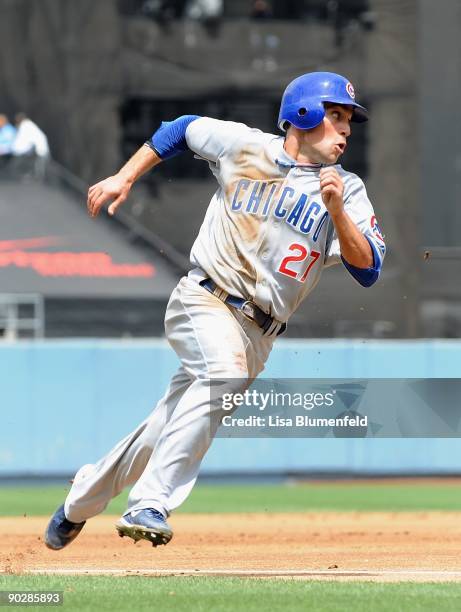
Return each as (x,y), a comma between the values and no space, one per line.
(332,190)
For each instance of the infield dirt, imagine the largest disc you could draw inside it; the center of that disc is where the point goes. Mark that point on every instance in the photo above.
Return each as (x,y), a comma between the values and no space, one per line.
(421,546)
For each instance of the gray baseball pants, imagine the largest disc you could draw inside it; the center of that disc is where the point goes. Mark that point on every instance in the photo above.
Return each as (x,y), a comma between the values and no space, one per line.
(162,456)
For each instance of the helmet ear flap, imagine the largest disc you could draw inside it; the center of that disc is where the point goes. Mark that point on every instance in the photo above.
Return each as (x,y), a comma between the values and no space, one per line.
(304,115)
(310,114)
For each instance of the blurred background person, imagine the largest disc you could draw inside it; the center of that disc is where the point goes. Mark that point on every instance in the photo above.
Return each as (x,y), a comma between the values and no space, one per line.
(30,139)
(30,146)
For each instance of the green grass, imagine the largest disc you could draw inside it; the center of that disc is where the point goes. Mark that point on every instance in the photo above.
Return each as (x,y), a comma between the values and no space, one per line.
(196,594)
(39,501)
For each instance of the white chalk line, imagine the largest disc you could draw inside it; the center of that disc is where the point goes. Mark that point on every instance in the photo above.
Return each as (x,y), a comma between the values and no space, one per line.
(246,572)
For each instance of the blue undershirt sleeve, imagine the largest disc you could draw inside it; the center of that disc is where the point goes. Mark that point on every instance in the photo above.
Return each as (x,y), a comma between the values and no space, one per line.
(170,138)
(366,276)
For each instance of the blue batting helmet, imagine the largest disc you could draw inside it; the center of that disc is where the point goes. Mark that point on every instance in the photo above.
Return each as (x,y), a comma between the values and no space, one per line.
(302,101)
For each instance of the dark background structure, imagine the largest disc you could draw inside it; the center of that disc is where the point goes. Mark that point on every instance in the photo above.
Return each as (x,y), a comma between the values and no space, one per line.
(98,77)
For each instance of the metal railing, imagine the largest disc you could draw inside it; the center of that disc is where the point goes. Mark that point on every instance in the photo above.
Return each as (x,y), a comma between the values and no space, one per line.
(22,315)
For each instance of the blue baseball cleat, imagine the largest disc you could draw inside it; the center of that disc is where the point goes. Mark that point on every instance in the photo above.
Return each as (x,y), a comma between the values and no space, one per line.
(60,531)
(147,524)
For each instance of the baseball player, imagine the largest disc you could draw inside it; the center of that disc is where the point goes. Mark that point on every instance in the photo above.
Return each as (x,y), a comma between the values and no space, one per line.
(284,210)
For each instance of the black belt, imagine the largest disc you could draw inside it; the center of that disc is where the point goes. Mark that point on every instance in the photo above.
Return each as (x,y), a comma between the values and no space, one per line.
(267,323)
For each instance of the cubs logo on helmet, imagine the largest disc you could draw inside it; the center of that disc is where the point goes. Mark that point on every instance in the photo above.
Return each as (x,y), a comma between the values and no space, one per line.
(350,90)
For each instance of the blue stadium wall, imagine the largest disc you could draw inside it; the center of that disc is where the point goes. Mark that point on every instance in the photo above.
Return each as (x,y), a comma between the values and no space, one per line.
(66,403)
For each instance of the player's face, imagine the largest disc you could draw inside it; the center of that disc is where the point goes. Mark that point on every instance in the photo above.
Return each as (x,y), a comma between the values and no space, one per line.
(325,143)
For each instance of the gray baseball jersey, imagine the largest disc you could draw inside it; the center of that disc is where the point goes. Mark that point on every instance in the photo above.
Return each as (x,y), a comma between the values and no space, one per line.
(267,235)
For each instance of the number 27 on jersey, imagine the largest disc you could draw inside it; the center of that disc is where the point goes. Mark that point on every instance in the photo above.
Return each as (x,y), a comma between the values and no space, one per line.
(301,254)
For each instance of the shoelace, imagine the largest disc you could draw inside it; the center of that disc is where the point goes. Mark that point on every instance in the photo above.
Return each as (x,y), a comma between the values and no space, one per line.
(151,513)
(156,514)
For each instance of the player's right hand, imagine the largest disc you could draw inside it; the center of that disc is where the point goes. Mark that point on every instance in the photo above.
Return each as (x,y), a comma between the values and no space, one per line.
(113,189)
